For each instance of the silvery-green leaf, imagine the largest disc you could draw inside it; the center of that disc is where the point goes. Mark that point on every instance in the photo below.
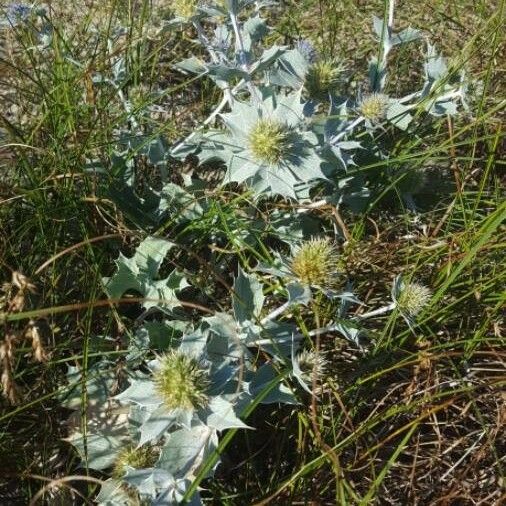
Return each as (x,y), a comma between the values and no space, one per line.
(298,293)
(113,493)
(101,449)
(179,203)
(173,495)
(435,66)
(99,384)
(269,56)
(194,343)
(148,481)
(162,335)
(226,73)
(290,70)
(377,75)
(220,415)
(158,422)
(407,35)
(184,450)
(192,65)
(398,114)
(279,335)
(263,378)
(141,392)
(256,28)
(248,298)
(349,331)
(296,370)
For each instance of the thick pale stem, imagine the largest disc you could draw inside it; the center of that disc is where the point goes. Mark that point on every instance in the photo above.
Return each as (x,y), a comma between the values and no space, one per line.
(274,314)
(317,332)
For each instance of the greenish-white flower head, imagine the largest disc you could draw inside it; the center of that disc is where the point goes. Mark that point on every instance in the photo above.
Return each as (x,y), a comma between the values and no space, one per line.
(413,297)
(269,141)
(315,263)
(182,381)
(311,364)
(185,8)
(268,146)
(374,107)
(322,79)
(138,458)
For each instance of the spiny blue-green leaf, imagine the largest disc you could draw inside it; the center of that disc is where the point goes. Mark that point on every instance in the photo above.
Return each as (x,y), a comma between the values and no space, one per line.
(248,298)
(101,449)
(184,450)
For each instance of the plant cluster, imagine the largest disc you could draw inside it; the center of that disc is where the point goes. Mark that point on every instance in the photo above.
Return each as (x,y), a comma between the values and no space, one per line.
(286,128)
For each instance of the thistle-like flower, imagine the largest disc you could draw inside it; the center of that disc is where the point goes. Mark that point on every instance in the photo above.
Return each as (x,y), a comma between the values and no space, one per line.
(374,107)
(322,79)
(185,8)
(182,381)
(307,50)
(311,363)
(413,298)
(269,141)
(138,458)
(268,146)
(315,263)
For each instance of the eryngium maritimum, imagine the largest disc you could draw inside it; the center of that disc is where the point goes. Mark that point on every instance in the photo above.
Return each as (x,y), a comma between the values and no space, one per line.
(182,381)
(138,458)
(311,363)
(413,298)
(322,79)
(269,141)
(374,106)
(315,263)
(268,146)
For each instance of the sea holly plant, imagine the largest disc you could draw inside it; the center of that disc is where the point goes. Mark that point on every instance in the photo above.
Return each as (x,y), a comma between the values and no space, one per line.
(152,428)
(291,128)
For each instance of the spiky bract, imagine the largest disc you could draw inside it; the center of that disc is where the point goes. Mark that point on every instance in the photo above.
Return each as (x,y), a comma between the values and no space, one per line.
(311,363)
(182,381)
(138,458)
(315,263)
(374,106)
(322,79)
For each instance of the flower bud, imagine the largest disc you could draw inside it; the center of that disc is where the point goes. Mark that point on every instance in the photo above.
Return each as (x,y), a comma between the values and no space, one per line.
(315,263)
(182,381)
(374,107)
(269,141)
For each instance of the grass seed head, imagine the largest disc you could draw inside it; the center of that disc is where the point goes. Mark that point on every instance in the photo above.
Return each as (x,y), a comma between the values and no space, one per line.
(182,381)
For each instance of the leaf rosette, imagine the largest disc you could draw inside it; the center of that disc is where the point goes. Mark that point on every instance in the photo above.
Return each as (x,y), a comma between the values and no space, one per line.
(268,147)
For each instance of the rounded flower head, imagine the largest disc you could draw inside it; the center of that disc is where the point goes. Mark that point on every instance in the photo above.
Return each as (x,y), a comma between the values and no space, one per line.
(374,106)
(311,363)
(269,141)
(413,298)
(315,263)
(185,8)
(182,381)
(138,458)
(322,79)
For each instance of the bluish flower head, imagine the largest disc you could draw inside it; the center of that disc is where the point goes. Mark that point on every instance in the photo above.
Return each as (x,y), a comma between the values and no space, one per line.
(307,50)
(17,13)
